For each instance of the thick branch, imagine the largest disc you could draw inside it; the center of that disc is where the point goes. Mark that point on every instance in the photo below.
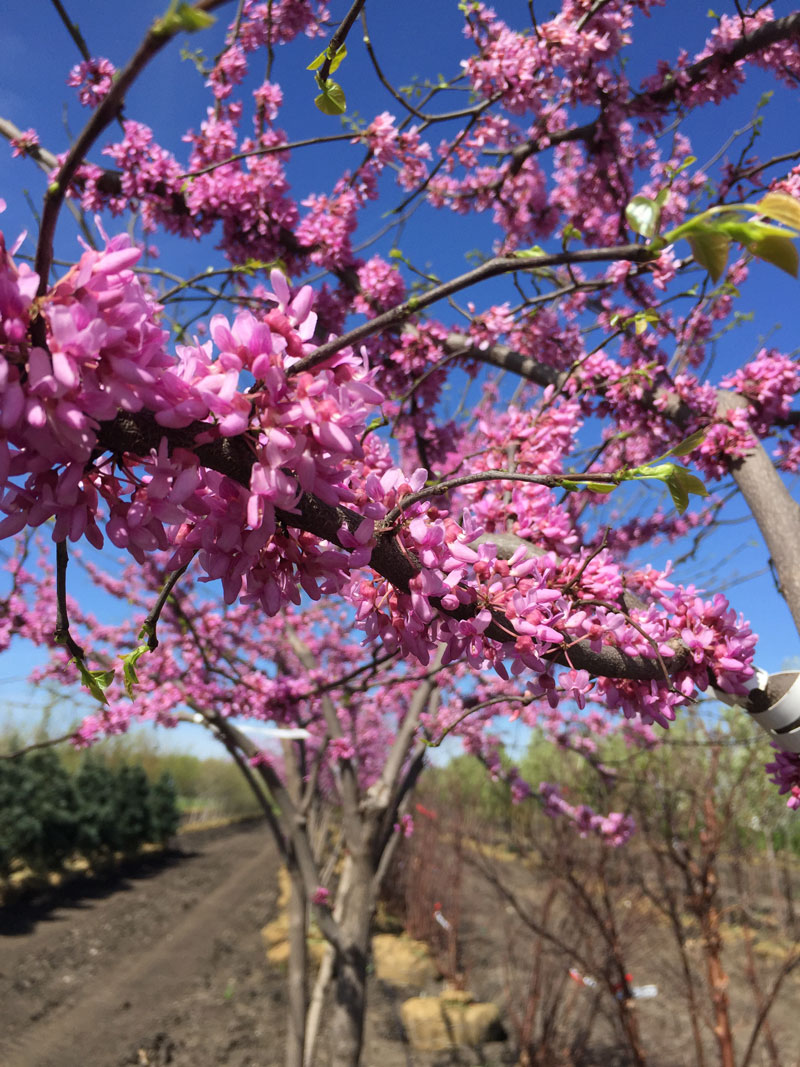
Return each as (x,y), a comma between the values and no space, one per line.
(776,513)
(493,268)
(292,824)
(765,36)
(349,791)
(338,39)
(138,433)
(156,38)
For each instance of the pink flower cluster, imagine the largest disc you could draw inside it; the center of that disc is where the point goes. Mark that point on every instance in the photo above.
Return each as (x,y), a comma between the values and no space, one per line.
(92,78)
(614,829)
(106,355)
(24,143)
(770,382)
(784,771)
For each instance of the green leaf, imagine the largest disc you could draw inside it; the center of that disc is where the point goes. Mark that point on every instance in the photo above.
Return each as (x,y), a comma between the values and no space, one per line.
(641,320)
(710,249)
(530,253)
(691,482)
(643,215)
(781,207)
(780,251)
(661,198)
(182,16)
(331,101)
(738,230)
(569,233)
(661,472)
(129,667)
(600,487)
(193,20)
(95,681)
(673,172)
(680,498)
(682,484)
(689,444)
(337,59)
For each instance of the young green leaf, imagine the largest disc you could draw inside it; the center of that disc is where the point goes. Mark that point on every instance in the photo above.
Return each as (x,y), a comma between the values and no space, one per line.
(182,16)
(682,484)
(781,207)
(778,250)
(710,249)
(680,498)
(95,681)
(331,101)
(689,444)
(193,20)
(747,232)
(659,471)
(691,483)
(662,197)
(129,668)
(337,59)
(643,215)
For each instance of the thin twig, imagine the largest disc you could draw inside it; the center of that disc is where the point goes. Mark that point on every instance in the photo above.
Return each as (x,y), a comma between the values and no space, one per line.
(48,742)
(61,635)
(73,30)
(338,40)
(151,622)
(492,268)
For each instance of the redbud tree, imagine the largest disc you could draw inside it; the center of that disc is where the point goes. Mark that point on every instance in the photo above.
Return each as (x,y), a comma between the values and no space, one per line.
(318,534)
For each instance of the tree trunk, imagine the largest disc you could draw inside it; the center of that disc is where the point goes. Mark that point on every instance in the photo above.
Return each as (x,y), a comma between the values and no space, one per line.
(325,973)
(718,983)
(298,972)
(347,1023)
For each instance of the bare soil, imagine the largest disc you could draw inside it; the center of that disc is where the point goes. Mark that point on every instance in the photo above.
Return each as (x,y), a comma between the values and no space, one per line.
(160,964)
(163,964)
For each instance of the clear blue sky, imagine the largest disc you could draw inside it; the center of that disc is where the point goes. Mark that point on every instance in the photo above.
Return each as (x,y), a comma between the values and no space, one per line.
(412,38)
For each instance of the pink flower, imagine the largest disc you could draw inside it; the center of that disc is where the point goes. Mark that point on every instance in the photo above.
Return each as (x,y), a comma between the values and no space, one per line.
(22,145)
(405,825)
(92,78)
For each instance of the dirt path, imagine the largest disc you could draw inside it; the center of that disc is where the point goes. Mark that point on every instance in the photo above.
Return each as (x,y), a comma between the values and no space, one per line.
(148,968)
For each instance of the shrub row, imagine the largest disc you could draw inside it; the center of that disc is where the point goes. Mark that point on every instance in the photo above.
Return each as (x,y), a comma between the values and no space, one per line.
(48,816)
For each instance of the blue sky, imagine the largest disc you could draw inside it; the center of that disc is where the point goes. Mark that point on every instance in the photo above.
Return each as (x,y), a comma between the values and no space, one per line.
(415,38)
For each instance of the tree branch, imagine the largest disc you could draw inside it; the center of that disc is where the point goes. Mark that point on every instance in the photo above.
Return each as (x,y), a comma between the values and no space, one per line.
(138,432)
(493,268)
(156,39)
(771,33)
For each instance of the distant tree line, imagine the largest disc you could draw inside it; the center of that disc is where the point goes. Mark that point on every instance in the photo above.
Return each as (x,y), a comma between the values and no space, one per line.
(49,815)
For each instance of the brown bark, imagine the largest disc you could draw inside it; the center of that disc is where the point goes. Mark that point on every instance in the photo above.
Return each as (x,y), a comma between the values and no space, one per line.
(704,904)
(776,513)
(718,983)
(298,971)
(137,433)
(350,996)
